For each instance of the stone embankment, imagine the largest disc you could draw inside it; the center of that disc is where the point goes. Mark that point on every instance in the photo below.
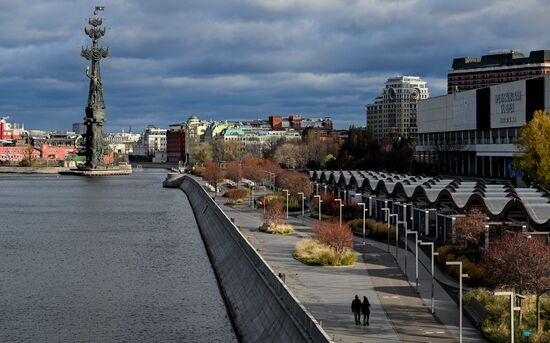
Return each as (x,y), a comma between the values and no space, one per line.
(32,170)
(262,306)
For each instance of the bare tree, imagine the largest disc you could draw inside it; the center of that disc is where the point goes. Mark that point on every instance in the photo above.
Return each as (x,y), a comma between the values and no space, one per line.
(331,234)
(470,227)
(212,175)
(520,263)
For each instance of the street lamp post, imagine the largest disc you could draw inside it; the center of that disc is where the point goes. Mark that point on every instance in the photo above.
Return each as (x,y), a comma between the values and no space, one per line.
(431,244)
(388,216)
(397,222)
(460,276)
(416,253)
(320,201)
(341,205)
(389,222)
(303,196)
(364,210)
(287,194)
(512,309)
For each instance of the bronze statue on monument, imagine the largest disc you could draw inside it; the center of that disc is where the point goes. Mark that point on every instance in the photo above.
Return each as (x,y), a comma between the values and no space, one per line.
(95,148)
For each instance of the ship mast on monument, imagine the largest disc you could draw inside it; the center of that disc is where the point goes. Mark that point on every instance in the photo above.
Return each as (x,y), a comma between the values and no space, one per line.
(95,109)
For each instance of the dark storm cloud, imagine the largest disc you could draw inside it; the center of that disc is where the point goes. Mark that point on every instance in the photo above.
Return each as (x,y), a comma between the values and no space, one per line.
(243,58)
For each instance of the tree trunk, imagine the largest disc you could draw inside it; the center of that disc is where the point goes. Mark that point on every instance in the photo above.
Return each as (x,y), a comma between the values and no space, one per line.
(538,314)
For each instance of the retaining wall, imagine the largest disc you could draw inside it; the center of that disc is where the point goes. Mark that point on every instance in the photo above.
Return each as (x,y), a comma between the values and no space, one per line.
(262,307)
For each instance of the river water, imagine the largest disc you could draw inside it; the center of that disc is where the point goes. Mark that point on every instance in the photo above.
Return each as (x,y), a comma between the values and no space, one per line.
(110,259)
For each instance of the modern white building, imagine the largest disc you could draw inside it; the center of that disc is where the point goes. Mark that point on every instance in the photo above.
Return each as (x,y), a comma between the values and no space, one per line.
(152,140)
(122,142)
(393,114)
(473,132)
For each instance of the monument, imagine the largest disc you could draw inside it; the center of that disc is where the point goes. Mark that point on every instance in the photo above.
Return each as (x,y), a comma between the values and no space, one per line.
(95,148)
(95,110)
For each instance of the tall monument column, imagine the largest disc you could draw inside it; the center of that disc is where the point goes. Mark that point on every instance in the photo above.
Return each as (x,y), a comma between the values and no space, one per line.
(95,110)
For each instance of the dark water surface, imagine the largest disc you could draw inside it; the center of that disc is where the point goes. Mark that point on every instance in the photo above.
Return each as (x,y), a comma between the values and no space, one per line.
(113,259)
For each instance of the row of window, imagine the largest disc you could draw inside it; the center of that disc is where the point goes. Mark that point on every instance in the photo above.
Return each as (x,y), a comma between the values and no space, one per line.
(469,137)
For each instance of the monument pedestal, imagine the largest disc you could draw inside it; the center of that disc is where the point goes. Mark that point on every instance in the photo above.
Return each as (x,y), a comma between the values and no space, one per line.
(126,170)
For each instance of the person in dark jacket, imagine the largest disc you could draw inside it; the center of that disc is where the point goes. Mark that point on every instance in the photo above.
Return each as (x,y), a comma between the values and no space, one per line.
(356,309)
(365,310)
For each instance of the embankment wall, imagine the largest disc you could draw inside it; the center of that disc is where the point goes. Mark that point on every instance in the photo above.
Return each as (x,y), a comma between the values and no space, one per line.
(262,307)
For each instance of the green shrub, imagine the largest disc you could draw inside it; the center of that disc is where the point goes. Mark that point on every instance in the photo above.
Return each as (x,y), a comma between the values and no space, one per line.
(279,229)
(25,163)
(312,252)
(237,193)
(470,263)
(496,327)
(374,229)
(235,202)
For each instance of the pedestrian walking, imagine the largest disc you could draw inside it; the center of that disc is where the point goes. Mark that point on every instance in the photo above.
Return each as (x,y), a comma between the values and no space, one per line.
(365,310)
(356,309)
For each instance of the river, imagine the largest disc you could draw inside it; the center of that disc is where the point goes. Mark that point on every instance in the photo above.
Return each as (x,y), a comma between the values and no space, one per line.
(107,259)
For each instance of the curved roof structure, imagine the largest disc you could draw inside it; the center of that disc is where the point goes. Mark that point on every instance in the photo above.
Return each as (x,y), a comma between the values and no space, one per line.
(497,200)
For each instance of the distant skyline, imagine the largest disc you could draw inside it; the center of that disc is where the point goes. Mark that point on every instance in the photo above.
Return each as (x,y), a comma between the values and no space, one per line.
(243,59)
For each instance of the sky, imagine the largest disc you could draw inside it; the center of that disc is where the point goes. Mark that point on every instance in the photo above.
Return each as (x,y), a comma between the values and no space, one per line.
(243,59)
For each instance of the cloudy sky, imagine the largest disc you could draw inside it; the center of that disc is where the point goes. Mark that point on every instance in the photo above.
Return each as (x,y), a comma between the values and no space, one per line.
(238,59)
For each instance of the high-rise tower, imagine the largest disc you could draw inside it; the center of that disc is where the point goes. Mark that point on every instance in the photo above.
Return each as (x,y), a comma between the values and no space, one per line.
(95,110)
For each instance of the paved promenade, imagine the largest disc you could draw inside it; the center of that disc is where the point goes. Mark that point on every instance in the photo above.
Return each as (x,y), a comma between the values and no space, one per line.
(398,314)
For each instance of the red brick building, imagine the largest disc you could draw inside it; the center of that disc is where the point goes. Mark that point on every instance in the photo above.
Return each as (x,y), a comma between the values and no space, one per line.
(175,143)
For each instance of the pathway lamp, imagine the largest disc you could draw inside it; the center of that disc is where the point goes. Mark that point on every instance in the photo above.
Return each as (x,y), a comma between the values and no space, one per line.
(460,277)
(389,222)
(320,201)
(364,211)
(303,199)
(388,218)
(397,222)
(512,309)
(287,194)
(431,244)
(415,252)
(341,205)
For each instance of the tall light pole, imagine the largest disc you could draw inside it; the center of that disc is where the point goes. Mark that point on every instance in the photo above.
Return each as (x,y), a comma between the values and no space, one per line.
(320,201)
(388,216)
(415,252)
(389,222)
(512,309)
(287,194)
(431,244)
(460,276)
(303,197)
(364,210)
(397,222)
(341,205)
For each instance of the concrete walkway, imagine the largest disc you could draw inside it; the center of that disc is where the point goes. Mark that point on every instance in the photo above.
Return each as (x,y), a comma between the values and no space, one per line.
(398,312)
(326,292)
(446,309)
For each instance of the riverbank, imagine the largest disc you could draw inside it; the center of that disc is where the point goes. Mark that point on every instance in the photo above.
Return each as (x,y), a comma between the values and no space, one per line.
(32,170)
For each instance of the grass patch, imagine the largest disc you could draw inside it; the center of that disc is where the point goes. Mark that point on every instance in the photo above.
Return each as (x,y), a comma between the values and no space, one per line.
(279,229)
(471,264)
(496,326)
(236,202)
(237,193)
(375,229)
(312,252)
